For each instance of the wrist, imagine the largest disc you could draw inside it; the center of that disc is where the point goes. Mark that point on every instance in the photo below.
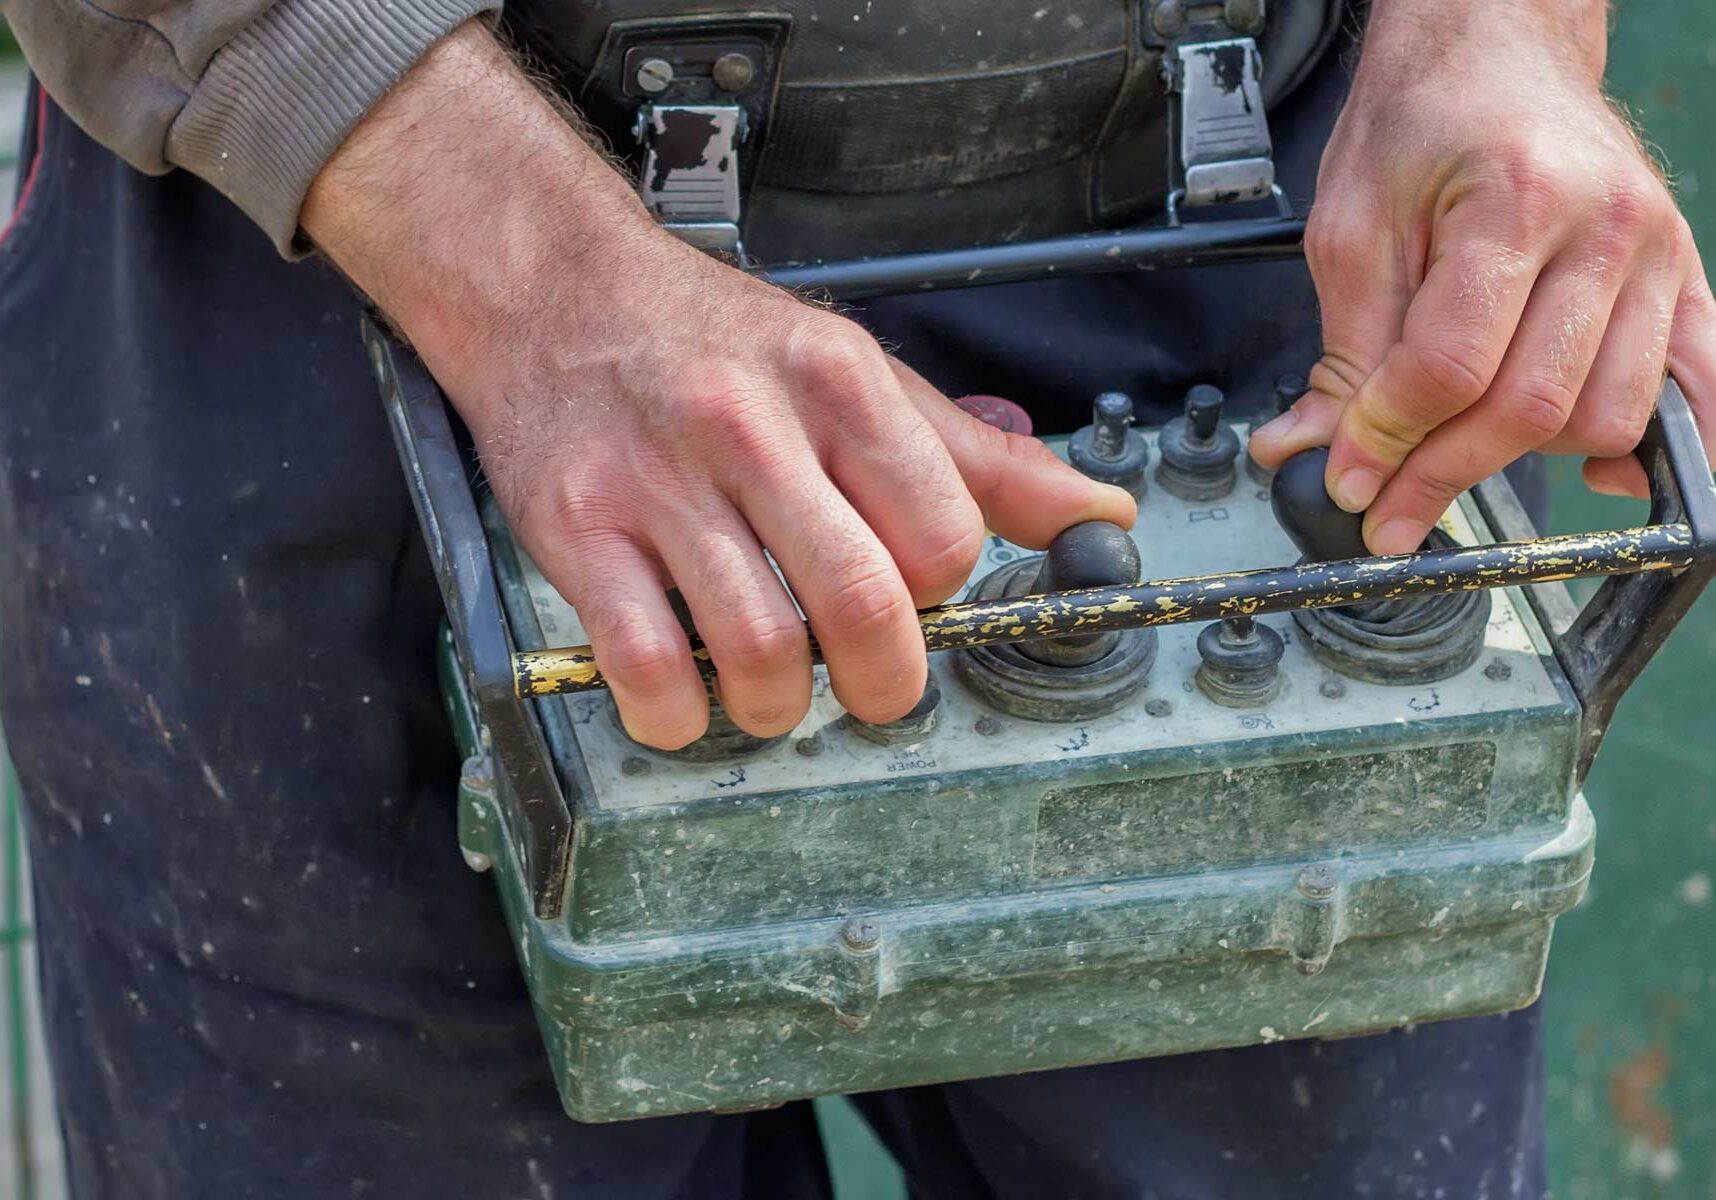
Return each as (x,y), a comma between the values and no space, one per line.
(464,204)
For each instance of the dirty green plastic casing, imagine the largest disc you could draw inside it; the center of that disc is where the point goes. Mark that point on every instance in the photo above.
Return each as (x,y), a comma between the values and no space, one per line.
(731,953)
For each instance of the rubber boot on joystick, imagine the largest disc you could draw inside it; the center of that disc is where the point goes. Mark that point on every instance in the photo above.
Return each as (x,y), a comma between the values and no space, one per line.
(1197,449)
(1409,639)
(1067,678)
(1109,450)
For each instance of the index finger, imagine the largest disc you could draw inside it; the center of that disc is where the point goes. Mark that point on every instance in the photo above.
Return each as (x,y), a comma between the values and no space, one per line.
(1457,330)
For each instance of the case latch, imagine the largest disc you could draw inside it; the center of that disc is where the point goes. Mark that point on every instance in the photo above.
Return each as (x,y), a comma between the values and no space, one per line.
(1220,152)
(690,177)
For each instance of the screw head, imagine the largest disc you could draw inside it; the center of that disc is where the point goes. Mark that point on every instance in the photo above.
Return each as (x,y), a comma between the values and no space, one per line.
(987,726)
(1168,18)
(1159,707)
(476,775)
(810,747)
(1498,671)
(1332,689)
(633,764)
(1317,881)
(1243,16)
(654,74)
(733,72)
(860,933)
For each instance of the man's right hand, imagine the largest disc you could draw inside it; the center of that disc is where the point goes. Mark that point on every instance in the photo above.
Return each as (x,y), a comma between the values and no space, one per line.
(651,418)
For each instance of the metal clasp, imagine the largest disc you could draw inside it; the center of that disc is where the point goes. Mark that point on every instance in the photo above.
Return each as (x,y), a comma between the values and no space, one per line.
(690,177)
(1216,99)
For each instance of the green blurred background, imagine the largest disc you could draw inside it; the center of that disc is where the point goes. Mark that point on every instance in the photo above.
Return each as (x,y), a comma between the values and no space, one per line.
(1632,980)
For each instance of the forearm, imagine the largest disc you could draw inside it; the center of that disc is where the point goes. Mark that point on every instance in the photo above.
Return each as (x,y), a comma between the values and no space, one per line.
(463,190)
(1420,35)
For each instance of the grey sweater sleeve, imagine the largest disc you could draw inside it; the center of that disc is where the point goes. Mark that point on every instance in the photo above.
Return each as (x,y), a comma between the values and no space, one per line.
(251,95)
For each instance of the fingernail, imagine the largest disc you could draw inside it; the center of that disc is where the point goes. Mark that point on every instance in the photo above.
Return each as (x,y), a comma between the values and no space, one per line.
(1397,536)
(1355,488)
(1277,427)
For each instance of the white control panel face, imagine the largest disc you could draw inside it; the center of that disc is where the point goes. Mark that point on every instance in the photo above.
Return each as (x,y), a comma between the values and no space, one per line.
(1176,538)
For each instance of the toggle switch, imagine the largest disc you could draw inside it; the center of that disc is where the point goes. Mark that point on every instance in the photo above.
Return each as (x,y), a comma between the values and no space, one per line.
(1197,450)
(1109,450)
(915,726)
(1288,389)
(1241,662)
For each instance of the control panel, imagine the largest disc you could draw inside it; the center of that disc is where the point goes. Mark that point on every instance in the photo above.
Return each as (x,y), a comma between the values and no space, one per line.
(1204,508)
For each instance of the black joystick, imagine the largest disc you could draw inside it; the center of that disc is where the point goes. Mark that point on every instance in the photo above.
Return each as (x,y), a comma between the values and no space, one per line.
(1405,640)
(1109,450)
(1089,555)
(1066,678)
(1197,449)
(1321,529)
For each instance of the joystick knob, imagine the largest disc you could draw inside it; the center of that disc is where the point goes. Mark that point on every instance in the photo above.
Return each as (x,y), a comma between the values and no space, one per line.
(1088,555)
(1203,411)
(1321,529)
(1197,449)
(1091,554)
(1109,450)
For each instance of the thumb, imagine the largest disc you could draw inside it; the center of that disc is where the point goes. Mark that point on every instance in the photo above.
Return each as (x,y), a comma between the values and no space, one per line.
(1026,494)
(1363,292)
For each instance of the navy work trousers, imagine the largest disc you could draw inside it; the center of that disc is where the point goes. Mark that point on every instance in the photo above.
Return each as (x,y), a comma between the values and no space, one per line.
(267,971)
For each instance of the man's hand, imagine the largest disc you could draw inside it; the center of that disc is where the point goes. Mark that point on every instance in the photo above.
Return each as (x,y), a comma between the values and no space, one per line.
(650,418)
(1499,267)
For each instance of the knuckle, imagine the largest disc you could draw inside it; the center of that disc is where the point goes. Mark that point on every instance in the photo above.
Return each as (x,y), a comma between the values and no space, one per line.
(1021,450)
(946,562)
(1540,409)
(1614,435)
(717,396)
(1433,490)
(1335,237)
(1534,187)
(765,647)
(1681,246)
(649,664)
(1333,378)
(1633,207)
(1611,441)
(836,356)
(585,540)
(1451,378)
(996,455)
(866,604)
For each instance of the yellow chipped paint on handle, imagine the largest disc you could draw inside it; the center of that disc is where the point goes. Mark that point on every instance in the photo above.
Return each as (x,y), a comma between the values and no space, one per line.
(1212,597)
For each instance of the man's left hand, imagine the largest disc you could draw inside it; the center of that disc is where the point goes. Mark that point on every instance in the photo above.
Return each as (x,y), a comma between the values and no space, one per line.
(1500,268)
